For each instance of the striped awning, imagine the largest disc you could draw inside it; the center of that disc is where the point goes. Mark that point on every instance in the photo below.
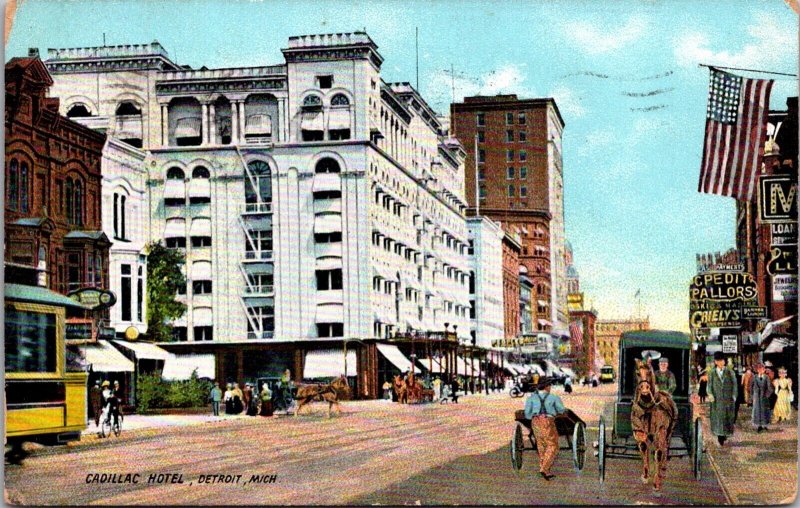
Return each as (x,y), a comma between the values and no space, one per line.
(312,121)
(396,358)
(181,367)
(175,189)
(326,363)
(330,313)
(144,350)
(328,223)
(103,357)
(258,124)
(202,316)
(176,228)
(339,118)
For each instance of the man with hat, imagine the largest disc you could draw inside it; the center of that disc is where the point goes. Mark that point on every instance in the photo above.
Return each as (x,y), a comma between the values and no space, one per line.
(722,390)
(665,379)
(761,391)
(541,408)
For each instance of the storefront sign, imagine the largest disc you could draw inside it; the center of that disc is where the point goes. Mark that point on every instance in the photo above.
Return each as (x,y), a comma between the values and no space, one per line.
(93,298)
(79,330)
(777,198)
(730,344)
(712,314)
(701,334)
(784,288)
(106,333)
(754,312)
(783,260)
(784,233)
(723,286)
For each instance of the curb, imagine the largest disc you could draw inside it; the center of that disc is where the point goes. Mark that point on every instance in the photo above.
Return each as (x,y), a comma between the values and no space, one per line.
(728,497)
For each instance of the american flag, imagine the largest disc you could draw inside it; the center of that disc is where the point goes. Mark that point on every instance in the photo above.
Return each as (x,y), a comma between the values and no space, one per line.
(735,134)
(576,334)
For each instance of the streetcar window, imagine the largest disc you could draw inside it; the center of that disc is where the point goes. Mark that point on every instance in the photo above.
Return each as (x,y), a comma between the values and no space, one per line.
(30,341)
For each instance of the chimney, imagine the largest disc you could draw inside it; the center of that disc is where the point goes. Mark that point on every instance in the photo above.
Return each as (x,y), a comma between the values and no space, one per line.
(33,52)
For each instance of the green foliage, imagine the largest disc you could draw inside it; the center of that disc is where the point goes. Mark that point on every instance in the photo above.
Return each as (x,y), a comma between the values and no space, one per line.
(164,277)
(155,393)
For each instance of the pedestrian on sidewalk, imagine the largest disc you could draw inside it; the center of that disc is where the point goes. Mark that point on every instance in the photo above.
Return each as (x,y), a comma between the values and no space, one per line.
(568,385)
(387,390)
(247,397)
(228,398)
(761,392)
(541,408)
(747,386)
(216,397)
(437,388)
(783,406)
(722,396)
(266,401)
(96,399)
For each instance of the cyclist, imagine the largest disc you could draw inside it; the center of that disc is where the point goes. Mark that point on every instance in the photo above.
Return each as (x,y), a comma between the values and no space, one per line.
(110,404)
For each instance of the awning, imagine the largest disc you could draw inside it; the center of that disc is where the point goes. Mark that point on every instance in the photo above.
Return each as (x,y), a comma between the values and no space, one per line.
(534,367)
(396,358)
(175,189)
(543,303)
(414,323)
(312,121)
(202,316)
(569,372)
(330,313)
(545,322)
(180,367)
(144,350)
(383,272)
(258,124)
(328,223)
(201,226)
(327,182)
(777,345)
(338,119)
(176,228)
(381,315)
(201,270)
(188,127)
(199,188)
(103,357)
(431,365)
(771,326)
(410,281)
(329,363)
(329,263)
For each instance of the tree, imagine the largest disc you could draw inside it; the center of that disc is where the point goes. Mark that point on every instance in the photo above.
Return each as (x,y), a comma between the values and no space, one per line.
(164,277)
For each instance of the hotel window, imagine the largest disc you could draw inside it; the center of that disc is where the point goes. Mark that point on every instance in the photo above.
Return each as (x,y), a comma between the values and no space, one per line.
(509,118)
(202,333)
(523,192)
(481,155)
(511,174)
(509,136)
(125,289)
(523,136)
(522,118)
(481,174)
(201,287)
(510,155)
(334,237)
(325,81)
(523,173)
(511,191)
(523,156)
(140,295)
(481,136)
(329,279)
(330,329)
(176,243)
(482,191)
(481,119)
(179,334)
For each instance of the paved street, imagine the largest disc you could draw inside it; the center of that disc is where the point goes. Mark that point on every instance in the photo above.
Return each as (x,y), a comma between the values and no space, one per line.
(374,452)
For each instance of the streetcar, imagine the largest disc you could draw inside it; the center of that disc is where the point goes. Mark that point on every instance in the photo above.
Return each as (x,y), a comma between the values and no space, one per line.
(607,374)
(45,402)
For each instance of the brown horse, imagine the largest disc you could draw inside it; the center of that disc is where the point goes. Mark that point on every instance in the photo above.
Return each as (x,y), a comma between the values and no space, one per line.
(401,389)
(329,393)
(653,418)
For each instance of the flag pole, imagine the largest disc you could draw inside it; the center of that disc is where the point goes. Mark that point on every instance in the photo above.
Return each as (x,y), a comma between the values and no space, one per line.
(747,70)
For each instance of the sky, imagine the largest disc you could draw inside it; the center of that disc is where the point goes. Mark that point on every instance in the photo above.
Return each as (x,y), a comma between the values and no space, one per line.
(624,74)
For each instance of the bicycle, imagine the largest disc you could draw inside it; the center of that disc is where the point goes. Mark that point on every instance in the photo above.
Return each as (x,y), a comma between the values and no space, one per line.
(107,427)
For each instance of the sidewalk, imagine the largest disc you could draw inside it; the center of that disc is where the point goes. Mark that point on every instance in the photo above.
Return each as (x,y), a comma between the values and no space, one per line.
(754,468)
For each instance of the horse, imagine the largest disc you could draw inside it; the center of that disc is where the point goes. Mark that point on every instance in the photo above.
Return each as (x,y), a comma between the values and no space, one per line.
(653,418)
(329,393)
(413,389)
(401,389)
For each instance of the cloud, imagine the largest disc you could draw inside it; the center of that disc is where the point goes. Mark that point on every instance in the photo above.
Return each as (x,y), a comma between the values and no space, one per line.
(603,39)
(505,79)
(771,43)
(597,139)
(568,101)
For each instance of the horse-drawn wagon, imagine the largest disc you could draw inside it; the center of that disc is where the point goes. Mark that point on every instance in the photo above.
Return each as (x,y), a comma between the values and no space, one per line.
(569,425)
(639,407)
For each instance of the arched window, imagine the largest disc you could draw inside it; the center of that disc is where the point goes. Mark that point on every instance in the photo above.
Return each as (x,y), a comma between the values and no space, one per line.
(327,165)
(200,172)
(23,187)
(175,174)
(340,99)
(70,199)
(78,111)
(128,108)
(262,177)
(312,101)
(13,184)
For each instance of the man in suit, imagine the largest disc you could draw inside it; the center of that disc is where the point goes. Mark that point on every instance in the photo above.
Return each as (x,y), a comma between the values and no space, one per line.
(722,391)
(541,408)
(761,391)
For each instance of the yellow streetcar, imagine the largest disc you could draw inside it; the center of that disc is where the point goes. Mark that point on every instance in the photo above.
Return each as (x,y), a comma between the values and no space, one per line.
(45,401)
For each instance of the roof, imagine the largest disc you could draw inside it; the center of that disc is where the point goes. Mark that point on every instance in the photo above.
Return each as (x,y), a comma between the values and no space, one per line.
(656,338)
(37,294)
(30,221)
(91,235)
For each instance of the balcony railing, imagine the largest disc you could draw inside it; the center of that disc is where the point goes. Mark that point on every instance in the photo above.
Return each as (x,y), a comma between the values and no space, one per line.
(260,335)
(256,255)
(261,289)
(255,208)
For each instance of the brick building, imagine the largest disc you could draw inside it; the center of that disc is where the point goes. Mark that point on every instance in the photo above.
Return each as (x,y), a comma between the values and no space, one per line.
(517,144)
(511,317)
(53,186)
(608,332)
(584,355)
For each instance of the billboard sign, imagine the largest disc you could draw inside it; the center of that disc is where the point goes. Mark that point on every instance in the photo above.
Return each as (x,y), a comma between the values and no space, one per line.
(784,233)
(730,344)
(784,288)
(777,198)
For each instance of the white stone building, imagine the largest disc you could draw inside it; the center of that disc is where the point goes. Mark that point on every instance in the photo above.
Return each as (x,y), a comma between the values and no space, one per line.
(313,199)
(558,294)
(486,288)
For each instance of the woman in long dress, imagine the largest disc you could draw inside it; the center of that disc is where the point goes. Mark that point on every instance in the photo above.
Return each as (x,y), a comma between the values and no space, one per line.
(783,406)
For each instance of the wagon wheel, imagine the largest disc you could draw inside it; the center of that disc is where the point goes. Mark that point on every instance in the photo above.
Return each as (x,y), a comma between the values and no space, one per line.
(517,446)
(579,445)
(697,447)
(601,449)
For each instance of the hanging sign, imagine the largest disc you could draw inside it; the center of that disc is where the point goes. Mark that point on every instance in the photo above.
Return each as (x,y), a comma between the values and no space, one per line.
(784,288)
(749,312)
(94,298)
(777,198)
(784,233)
(783,260)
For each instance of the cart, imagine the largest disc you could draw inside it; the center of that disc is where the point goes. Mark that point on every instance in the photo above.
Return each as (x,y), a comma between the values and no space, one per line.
(687,438)
(569,425)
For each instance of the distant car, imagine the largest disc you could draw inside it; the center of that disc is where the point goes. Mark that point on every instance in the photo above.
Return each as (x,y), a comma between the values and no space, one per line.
(607,374)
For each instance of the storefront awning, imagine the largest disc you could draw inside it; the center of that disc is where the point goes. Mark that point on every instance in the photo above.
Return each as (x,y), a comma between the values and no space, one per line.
(777,345)
(431,365)
(176,228)
(103,357)
(180,367)
(328,223)
(338,119)
(329,363)
(771,326)
(396,358)
(144,350)
(330,313)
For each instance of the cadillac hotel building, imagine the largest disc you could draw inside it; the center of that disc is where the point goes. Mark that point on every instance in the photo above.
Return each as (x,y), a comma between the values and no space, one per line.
(316,204)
